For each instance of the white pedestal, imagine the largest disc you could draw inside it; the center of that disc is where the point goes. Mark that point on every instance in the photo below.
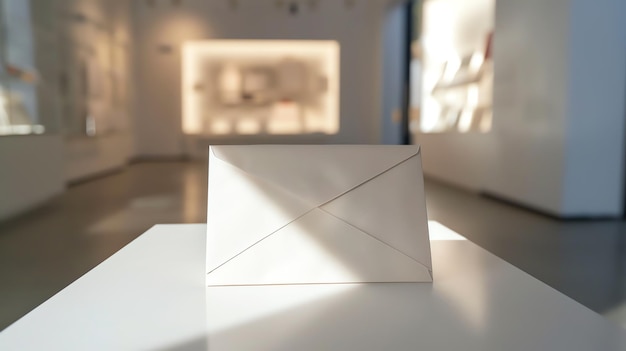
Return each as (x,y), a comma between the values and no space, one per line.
(151,296)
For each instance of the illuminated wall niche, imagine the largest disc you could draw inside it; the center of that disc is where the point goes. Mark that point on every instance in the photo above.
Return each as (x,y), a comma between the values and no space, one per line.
(252,87)
(456,67)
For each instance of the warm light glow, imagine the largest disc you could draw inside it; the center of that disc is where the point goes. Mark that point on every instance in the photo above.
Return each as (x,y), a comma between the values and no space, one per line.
(476,62)
(430,116)
(257,303)
(248,126)
(287,86)
(465,123)
(486,121)
(451,118)
(39,129)
(230,80)
(91,127)
(439,232)
(473,95)
(452,67)
(220,126)
(286,119)
(22,129)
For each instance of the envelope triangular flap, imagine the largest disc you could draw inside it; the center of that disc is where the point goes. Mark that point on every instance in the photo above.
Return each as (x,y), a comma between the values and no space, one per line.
(318,248)
(314,173)
(392,208)
(242,210)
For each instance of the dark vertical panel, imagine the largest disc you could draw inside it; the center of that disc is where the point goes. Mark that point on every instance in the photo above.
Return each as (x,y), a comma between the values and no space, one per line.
(409,9)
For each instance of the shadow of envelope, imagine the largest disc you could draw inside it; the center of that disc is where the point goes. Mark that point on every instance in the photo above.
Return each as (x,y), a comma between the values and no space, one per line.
(316,215)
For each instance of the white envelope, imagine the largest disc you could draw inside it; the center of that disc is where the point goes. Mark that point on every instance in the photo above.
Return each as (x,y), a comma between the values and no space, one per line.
(281,214)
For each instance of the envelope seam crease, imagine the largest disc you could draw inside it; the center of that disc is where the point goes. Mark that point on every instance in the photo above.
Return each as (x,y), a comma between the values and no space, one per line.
(334,197)
(259,241)
(368,180)
(376,238)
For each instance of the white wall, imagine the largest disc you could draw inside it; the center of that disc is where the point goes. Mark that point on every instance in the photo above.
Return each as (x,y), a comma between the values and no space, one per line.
(35,168)
(87,157)
(559,121)
(457,159)
(530,103)
(103,38)
(160,31)
(31,172)
(557,142)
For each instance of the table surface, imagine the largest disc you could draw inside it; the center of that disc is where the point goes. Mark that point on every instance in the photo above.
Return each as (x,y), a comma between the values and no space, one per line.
(151,295)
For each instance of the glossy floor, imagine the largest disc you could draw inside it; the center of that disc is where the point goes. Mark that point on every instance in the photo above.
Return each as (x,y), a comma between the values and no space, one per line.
(45,250)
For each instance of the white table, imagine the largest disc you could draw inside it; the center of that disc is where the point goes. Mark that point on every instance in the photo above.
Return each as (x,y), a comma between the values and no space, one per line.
(151,296)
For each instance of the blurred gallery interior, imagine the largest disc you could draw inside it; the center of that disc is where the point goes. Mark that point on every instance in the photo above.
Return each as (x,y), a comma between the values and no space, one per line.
(107,108)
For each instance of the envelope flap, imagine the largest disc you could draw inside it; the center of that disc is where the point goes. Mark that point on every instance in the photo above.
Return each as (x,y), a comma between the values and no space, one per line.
(261,209)
(316,174)
(398,202)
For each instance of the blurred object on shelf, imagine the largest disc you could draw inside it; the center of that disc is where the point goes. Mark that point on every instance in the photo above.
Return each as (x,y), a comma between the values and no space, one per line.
(14,119)
(21,73)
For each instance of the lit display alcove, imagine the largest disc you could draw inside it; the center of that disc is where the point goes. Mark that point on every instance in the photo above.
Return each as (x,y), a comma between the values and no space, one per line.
(252,87)
(452,68)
